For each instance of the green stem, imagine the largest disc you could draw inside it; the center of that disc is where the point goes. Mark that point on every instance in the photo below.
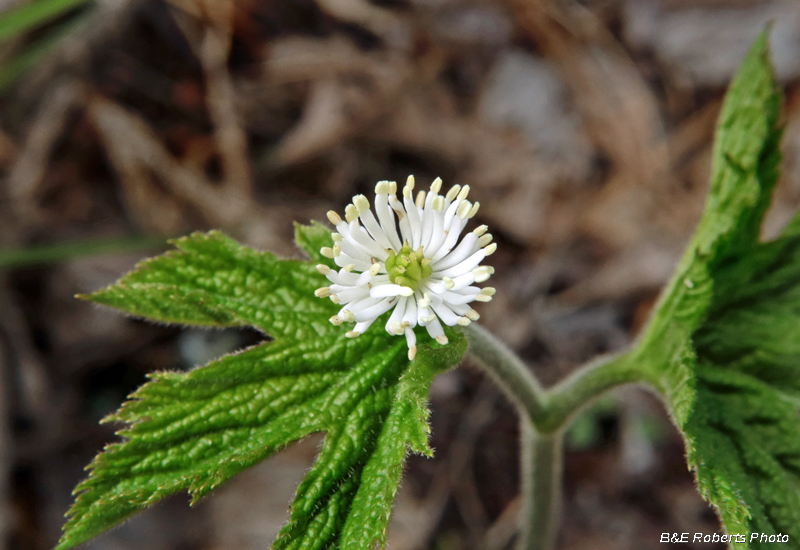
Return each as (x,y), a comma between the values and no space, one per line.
(568,397)
(541,464)
(544,414)
(507,370)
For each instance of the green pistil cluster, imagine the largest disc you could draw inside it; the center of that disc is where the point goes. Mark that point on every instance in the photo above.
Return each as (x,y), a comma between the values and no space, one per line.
(408,267)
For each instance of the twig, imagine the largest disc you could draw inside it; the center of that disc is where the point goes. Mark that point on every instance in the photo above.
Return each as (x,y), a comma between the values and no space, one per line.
(45,130)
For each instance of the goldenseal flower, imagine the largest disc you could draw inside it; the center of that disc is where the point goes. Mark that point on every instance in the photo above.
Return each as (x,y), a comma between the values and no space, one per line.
(422,271)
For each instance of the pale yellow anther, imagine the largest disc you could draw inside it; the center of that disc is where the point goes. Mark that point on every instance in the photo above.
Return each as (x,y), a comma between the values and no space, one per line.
(393,187)
(375,269)
(407,192)
(489,291)
(323,292)
(349,316)
(482,273)
(397,327)
(336,320)
(472,315)
(406,291)
(326,251)
(464,192)
(352,334)
(337,250)
(463,210)
(438,203)
(474,210)
(428,319)
(350,213)
(336,237)
(323,269)
(442,339)
(453,193)
(349,267)
(483,298)
(382,188)
(335,299)
(410,182)
(464,322)
(412,352)
(485,239)
(448,283)
(361,203)
(334,218)
(480,230)
(490,249)
(436,186)
(425,302)
(420,199)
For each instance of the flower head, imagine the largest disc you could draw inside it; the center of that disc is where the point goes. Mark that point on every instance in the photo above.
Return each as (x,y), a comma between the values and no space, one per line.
(423,272)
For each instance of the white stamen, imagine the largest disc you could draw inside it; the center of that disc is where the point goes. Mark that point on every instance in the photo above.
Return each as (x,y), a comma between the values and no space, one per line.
(420,203)
(432,226)
(463,210)
(481,274)
(334,217)
(350,213)
(453,193)
(361,203)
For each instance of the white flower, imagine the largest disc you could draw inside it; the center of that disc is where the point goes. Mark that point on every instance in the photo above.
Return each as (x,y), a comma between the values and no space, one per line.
(422,271)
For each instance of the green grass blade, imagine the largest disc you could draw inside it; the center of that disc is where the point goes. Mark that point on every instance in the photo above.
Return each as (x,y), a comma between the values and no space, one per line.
(19,20)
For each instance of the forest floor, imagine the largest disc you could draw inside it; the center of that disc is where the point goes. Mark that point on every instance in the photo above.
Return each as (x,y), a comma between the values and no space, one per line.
(583,128)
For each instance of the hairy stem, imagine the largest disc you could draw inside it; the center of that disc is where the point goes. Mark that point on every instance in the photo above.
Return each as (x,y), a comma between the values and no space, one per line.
(543,415)
(507,370)
(568,397)
(541,464)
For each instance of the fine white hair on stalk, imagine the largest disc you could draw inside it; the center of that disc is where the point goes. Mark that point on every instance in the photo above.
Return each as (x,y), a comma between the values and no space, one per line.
(407,256)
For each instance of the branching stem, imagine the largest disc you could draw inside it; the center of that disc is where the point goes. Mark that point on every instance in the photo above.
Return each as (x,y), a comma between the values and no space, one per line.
(544,414)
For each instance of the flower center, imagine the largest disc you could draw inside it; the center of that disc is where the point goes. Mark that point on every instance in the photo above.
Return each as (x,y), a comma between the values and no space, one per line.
(408,267)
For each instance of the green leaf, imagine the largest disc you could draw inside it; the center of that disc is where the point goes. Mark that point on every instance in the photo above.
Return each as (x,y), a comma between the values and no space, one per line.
(193,431)
(723,346)
(312,238)
(211,280)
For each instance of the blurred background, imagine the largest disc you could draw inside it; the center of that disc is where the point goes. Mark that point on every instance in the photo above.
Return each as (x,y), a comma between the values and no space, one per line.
(583,127)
